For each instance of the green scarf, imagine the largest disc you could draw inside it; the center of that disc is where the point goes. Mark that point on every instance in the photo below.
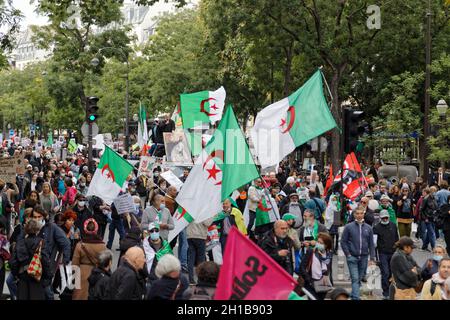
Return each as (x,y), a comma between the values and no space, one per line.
(316,230)
(165,249)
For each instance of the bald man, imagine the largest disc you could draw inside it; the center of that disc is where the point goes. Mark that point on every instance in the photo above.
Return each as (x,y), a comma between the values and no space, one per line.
(279,246)
(128,282)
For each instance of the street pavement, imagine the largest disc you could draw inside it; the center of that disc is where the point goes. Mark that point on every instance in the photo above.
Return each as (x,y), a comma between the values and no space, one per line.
(341,276)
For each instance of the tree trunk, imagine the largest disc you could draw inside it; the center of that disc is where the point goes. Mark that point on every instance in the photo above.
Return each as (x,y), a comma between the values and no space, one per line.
(336,134)
(287,70)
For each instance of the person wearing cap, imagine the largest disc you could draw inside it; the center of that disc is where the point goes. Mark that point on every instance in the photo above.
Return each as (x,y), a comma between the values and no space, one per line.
(358,246)
(292,233)
(387,235)
(405,270)
(155,247)
(86,255)
(339,294)
(386,204)
(294,208)
(317,205)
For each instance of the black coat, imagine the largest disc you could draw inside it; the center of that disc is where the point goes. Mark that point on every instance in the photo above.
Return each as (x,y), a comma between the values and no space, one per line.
(387,236)
(401,265)
(99,284)
(164,288)
(445,209)
(272,244)
(126,283)
(28,287)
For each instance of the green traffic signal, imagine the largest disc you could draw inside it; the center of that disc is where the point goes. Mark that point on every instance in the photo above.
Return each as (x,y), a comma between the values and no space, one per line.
(92,117)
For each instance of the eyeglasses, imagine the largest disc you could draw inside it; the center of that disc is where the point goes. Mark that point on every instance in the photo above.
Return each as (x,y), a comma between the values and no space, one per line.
(153,230)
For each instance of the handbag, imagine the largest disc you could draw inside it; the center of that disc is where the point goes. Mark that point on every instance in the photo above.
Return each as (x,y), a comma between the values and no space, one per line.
(34,269)
(323,285)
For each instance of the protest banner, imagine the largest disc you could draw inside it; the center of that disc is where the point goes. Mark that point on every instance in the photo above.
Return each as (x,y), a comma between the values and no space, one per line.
(177,148)
(248,273)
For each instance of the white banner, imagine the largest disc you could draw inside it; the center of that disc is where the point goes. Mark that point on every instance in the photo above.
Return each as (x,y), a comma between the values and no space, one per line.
(171,178)
(124,204)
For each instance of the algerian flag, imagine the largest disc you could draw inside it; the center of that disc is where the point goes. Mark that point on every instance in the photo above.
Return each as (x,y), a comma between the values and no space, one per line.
(142,127)
(202,107)
(110,177)
(176,117)
(224,165)
(289,123)
(50,139)
(266,212)
(72,147)
(181,220)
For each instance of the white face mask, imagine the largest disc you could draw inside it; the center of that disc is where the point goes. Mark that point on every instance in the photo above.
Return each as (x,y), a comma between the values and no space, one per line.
(81,203)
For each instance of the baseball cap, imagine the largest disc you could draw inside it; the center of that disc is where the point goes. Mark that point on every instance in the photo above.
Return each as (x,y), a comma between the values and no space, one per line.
(384,214)
(369,194)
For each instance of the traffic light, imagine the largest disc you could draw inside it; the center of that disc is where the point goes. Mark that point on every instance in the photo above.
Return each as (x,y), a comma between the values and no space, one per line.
(91,109)
(354,127)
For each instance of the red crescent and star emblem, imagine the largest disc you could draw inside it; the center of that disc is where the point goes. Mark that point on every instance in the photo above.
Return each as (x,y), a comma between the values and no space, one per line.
(183,212)
(202,107)
(262,208)
(291,112)
(109,173)
(214,170)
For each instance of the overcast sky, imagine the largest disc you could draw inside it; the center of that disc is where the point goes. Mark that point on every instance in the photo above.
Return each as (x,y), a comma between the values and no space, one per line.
(30,17)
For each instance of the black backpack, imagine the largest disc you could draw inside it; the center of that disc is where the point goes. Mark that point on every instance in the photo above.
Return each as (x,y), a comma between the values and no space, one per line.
(439,219)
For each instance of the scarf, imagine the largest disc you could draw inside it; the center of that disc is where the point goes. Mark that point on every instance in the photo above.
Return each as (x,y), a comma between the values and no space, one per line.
(150,253)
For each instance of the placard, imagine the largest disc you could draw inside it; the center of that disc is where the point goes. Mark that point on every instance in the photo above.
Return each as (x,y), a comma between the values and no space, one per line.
(172,179)
(124,203)
(10,167)
(146,166)
(177,148)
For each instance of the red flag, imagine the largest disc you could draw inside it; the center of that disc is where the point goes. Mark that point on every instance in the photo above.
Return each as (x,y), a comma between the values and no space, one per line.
(329,181)
(354,189)
(248,273)
(351,163)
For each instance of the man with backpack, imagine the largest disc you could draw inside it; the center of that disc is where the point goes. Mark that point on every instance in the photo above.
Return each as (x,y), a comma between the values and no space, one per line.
(208,274)
(428,213)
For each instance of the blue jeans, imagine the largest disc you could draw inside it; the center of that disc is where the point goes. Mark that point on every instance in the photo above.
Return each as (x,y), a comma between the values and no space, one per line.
(183,249)
(197,255)
(49,295)
(113,226)
(385,266)
(11,282)
(357,266)
(428,234)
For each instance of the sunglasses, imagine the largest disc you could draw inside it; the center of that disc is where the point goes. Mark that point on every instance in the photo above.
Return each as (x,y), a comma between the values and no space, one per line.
(385,218)
(153,230)
(364,202)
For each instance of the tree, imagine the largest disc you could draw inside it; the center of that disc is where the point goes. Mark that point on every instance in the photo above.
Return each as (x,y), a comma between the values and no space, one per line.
(9,23)
(398,118)
(76,33)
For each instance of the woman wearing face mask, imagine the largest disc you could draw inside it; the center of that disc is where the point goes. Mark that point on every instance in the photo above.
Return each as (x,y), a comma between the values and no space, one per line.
(158,213)
(430,267)
(49,201)
(315,267)
(28,288)
(155,247)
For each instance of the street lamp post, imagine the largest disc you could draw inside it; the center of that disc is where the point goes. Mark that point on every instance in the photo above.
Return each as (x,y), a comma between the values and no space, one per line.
(442,108)
(95,62)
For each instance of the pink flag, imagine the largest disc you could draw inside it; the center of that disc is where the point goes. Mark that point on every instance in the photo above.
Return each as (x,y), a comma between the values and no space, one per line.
(248,273)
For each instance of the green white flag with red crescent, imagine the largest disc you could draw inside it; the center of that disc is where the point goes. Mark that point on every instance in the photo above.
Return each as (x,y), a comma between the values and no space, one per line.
(289,123)
(110,177)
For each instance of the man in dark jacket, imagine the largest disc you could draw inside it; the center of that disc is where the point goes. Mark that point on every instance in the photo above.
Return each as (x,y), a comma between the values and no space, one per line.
(428,212)
(357,244)
(55,241)
(278,245)
(126,282)
(387,236)
(310,230)
(99,278)
(5,207)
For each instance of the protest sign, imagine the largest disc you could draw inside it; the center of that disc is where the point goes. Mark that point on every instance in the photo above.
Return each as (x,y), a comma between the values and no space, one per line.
(172,179)
(10,167)
(249,273)
(146,166)
(124,203)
